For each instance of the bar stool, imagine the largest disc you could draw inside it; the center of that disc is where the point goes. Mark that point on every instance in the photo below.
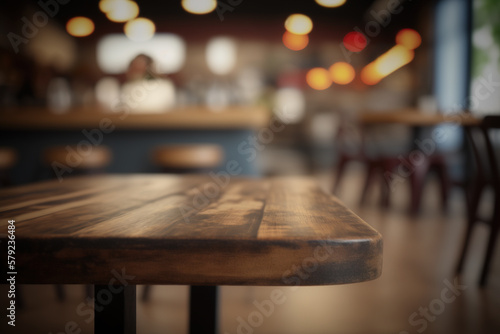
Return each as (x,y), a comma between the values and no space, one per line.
(8,158)
(72,161)
(181,159)
(186,158)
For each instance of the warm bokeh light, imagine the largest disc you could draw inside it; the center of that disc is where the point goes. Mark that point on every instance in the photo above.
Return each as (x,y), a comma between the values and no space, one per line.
(139,29)
(107,5)
(199,6)
(221,55)
(318,78)
(330,3)
(342,73)
(289,105)
(299,24)
(295,42)
(395,58)
(80,26)
(122,11)
(408,38)
(355,41)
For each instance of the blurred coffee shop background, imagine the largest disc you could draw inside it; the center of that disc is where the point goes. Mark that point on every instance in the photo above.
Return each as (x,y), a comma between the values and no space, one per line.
(264,88)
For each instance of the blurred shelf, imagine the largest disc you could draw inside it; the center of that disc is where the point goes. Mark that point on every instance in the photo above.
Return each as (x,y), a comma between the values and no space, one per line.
(37,118)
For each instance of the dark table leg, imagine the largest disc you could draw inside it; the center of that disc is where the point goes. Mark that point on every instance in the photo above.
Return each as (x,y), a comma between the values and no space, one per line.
(115,310)
(203,310)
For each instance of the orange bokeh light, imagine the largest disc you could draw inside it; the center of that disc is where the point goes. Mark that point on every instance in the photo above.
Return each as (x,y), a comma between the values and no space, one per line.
(80,26)
(393,59)
(408,38)
(318,78)
(342,73)
(295,42)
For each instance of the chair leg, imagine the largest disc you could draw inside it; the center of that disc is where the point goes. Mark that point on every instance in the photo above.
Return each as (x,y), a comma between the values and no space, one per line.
(145,293)
(60,293)
(495,224)
(472,205)
(340,172)
(371,174)
(388,166)
(89,293)
(445,184)
(417,180)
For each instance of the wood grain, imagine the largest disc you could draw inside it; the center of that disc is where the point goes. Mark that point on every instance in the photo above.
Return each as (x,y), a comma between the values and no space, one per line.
(237,117)
(416,117)
(170,229)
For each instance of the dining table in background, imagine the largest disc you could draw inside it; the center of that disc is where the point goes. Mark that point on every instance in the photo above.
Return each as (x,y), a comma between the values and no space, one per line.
(119,231)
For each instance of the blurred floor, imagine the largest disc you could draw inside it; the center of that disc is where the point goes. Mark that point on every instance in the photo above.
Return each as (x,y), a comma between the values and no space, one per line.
(419,256)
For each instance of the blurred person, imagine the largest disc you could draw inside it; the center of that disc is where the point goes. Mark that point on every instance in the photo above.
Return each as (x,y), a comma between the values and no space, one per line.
(145,91)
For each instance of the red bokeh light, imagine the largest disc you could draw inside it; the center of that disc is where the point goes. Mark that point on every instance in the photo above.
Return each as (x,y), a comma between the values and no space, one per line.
(355,41)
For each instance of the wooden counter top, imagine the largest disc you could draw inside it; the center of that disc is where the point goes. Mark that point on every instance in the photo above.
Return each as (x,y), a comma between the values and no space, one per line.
(201,118)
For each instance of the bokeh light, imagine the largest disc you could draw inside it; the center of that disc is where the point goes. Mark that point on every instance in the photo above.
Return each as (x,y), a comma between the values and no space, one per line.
(122,11)
(139,29)
(299,24)
(355,41)
(199,6)
(221,55)
(318,78)
(330,3)
(342,73)
(395,58)
(408,38)
(295,42)
(80,26)
(107,5)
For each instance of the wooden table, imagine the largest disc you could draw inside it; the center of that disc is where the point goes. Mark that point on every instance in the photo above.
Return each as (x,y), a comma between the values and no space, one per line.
(416,117)
(120,231)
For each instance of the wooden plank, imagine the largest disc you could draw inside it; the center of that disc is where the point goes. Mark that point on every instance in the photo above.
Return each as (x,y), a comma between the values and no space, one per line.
(78,118)
(282,231)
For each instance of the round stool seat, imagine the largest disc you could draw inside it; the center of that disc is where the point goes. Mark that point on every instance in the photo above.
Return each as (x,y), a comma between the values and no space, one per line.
(189,156)
(8,158)
(98,157)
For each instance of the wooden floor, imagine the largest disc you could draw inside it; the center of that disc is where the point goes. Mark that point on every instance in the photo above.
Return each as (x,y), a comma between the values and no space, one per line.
(411,296)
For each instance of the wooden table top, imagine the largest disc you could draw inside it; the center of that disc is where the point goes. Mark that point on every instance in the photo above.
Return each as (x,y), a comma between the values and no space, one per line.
(171,229)
(416,117)
(78,118)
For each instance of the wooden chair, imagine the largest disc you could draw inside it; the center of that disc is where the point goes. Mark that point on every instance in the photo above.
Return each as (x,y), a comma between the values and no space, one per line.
(351,148)
(434,162)
(185,158)
(8,158)
(92,162)
(378,165)
(486,174)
